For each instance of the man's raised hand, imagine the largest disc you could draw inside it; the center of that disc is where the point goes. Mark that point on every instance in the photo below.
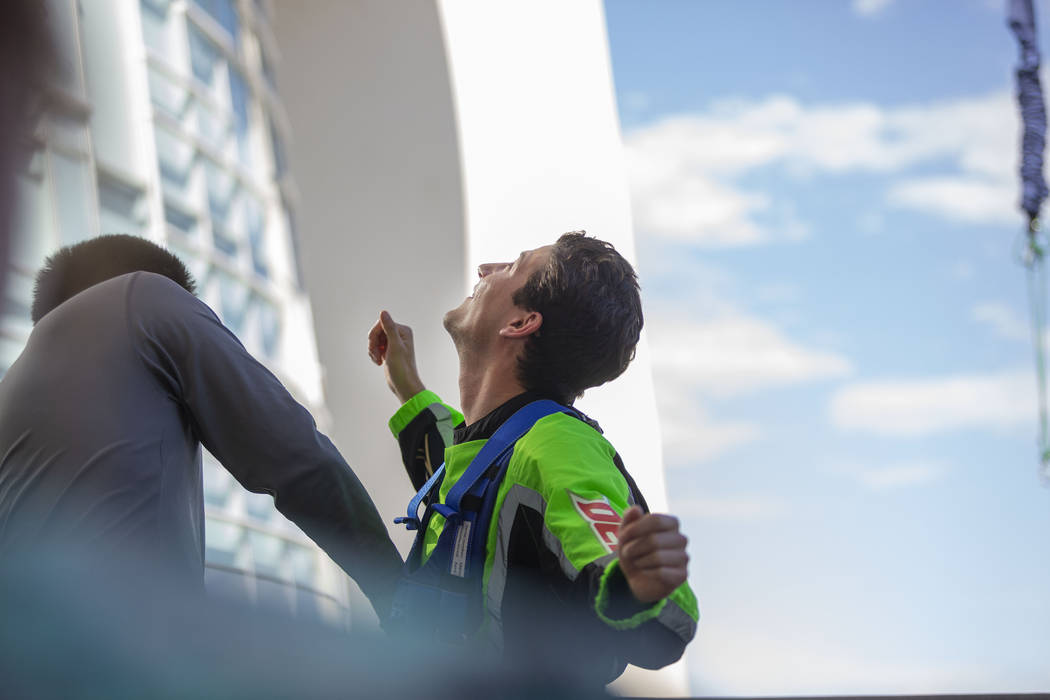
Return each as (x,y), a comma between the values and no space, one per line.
(652,554)
(390,345)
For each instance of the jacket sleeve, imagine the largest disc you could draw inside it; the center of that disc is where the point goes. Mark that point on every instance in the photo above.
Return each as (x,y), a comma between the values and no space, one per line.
(423,428)
(585,496)
(245,417)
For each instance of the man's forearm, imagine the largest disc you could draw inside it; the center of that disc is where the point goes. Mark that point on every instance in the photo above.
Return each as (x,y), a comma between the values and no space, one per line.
(333,508)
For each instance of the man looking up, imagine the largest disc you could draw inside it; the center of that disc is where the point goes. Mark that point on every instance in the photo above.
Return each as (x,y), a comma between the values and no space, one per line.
(125,375)
(566,582)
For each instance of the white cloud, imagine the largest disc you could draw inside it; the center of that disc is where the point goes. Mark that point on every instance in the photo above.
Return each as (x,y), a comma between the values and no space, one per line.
(684,168)
(908,408)
(870,8)
(959,198)
(729,355)
(895,475)
(901,475)
(1003,320)
(697,207)
(668,284)
(690,435)
(734,355)
(731,508)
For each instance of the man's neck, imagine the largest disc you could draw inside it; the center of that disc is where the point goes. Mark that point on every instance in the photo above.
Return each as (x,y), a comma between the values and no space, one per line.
(486,384)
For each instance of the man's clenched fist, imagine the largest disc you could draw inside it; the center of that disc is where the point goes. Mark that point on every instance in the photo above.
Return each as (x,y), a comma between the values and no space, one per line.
(652,554)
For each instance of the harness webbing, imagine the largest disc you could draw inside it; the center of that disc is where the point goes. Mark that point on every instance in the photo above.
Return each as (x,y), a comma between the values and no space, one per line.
(440,598)
(502,440)
(1034,260)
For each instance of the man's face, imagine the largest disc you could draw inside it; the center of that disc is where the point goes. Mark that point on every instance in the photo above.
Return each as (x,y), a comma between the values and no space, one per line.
(491,306)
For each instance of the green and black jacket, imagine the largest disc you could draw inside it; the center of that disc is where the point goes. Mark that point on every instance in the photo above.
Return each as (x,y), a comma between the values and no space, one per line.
(553,590)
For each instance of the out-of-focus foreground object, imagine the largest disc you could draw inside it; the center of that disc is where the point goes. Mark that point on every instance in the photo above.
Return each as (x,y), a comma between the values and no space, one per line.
(1021,19)
(26,61)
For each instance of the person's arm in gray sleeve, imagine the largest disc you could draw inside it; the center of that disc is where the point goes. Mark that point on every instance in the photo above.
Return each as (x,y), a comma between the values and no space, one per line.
(246,418)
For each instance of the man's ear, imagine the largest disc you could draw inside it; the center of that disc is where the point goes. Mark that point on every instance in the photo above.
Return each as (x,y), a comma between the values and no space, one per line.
(523,326)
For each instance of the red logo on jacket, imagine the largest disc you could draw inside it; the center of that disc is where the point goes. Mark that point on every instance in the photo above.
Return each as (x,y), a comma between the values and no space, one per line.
(602,517)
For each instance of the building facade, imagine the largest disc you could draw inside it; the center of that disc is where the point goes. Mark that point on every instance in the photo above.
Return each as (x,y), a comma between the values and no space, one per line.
(165,122)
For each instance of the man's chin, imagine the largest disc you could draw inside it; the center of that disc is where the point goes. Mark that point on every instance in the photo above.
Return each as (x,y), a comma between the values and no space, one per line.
(449,321)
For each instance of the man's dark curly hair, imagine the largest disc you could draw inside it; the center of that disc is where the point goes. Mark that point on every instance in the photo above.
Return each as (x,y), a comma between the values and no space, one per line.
(592,317)
(75,268)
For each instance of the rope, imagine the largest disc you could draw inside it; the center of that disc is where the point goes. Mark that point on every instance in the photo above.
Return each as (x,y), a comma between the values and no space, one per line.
(1034,260)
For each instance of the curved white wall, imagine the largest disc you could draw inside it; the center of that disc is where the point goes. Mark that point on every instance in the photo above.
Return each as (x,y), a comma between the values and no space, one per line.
(366,89)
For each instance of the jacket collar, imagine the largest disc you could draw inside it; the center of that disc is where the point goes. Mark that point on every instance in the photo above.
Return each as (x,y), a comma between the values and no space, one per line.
(483,428)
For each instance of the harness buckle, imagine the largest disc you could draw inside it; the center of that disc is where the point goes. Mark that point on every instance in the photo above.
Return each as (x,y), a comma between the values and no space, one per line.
(409,522)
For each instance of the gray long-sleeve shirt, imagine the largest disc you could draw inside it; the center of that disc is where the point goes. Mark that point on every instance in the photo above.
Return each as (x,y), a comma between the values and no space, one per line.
(101,424)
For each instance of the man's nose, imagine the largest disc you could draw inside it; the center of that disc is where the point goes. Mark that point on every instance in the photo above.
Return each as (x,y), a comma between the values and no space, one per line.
(486,269)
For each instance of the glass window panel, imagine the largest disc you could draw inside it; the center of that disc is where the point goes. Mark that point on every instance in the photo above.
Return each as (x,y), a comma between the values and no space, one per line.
(35,167)
(204,57)
(221,188)
(63,25)
(181,220)
(218,484)
(224,243)
(269,328)
(222,542)
(267,68)
(176,158)
(18,298)
(233,302)
(279,163)
(68,132)
(73,198)
(9,351)
(120,206)
(213,127)
(17,311)
(197,266)
(253,223)
(304,565)
(156,28)
(34,236)
(223,12)
(259,506)
(216,495)
(239,98)
(267,553)
(168,95)
(293,235)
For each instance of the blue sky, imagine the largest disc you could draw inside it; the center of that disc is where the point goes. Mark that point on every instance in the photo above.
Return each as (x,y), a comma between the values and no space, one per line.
(825,205)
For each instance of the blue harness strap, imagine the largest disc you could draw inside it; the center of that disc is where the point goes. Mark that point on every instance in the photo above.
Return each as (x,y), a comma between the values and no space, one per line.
(411,521)
(501,441)
(440,599)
